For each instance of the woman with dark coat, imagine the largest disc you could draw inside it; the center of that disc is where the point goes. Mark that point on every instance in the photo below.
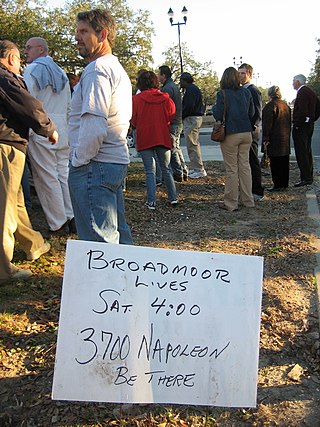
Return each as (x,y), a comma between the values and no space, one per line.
(276,128)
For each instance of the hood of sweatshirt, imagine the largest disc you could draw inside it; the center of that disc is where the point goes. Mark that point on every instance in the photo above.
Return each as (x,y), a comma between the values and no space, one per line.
(153,96)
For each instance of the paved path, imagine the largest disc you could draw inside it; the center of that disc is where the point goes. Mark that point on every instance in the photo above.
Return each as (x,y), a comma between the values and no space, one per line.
(211,150)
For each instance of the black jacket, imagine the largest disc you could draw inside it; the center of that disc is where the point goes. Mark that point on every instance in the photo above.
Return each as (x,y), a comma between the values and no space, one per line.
(192,102)
(19,111)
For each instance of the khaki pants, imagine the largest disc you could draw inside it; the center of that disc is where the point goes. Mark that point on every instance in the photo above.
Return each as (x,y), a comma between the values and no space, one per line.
(13,215)
(191,126)
(235,150)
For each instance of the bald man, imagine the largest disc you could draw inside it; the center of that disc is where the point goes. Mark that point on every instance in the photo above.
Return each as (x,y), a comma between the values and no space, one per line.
(47,82)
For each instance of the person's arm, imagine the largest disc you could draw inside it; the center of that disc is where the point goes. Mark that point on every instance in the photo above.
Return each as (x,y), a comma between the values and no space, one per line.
(133,120)
(217,109)
(257,101)
(188,103)
(267,121)
(93,131)
(171,110)
(28,109)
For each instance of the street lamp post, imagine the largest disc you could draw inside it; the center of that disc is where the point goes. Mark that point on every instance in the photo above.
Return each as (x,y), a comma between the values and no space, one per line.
(184,13)
(236,63)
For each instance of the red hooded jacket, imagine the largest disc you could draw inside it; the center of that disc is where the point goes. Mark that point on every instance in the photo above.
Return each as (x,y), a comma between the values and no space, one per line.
(153,111)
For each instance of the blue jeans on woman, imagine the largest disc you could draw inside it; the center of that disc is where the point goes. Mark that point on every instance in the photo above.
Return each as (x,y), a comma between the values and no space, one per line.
(98,204)
(149,161)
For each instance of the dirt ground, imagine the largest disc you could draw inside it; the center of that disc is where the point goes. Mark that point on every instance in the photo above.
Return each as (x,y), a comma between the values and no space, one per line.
(278,229)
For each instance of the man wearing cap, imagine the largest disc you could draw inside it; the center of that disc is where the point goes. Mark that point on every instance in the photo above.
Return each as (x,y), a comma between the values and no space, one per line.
(192,112)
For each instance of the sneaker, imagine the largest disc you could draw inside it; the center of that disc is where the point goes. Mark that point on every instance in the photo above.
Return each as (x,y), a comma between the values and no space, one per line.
(32,256)
(21,275)
(198,174)
(174,202)
(151,206)
(258,197)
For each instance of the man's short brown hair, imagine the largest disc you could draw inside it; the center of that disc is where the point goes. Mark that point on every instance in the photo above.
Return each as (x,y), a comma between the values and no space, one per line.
(247,67)
(100,19)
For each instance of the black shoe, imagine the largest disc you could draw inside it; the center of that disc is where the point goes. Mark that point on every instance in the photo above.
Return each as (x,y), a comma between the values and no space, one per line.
(185,176)
(276,189)
(178,178)
(62,231)
(302,183)
(72,226)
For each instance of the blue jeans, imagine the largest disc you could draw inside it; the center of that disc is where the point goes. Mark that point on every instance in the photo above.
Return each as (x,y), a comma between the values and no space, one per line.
(178,164)
(149,161)
(97,200)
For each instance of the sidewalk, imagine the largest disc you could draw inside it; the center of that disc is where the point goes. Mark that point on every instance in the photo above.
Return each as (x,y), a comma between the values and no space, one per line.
(210,150)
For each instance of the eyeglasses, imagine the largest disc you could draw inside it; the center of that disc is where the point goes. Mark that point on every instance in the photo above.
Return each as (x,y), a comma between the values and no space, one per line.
(31,47)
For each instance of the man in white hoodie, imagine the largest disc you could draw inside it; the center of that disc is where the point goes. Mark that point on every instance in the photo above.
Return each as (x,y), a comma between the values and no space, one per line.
(47,82)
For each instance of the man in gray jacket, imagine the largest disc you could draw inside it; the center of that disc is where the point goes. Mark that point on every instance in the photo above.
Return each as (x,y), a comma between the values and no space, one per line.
(178,164)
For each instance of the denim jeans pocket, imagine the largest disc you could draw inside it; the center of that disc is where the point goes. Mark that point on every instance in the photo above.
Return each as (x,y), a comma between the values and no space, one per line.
(112,175)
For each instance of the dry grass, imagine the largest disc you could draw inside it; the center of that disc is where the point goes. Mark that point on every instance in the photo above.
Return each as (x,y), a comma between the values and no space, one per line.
(278,229)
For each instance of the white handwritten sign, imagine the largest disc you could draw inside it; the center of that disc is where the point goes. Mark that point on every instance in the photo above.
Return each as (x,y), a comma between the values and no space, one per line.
(150,325)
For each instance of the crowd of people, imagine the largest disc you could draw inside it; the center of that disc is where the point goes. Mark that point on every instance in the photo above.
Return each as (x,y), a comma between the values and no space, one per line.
(75,136)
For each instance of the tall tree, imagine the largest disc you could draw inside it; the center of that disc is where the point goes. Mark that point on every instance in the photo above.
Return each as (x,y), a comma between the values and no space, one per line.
(204,75)
(20,20)
(314,77)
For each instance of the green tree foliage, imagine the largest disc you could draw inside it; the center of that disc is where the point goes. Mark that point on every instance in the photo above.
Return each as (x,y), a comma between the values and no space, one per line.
(20,20)
(264,95)
(203,73)
(314,77)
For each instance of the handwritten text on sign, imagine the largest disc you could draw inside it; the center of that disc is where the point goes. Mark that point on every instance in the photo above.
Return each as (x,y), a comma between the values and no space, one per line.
(144,325)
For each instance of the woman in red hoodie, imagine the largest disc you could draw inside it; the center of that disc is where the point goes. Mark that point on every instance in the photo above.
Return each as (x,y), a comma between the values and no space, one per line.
(153,111)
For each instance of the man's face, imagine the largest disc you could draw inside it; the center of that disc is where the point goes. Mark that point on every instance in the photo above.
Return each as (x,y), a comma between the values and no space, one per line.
(296,84)
(16,62)
(87,40)
(183,84)
(33,50)
(162,78)
(244,76)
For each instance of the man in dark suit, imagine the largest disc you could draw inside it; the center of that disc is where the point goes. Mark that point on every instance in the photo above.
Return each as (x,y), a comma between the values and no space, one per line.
(305,112)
